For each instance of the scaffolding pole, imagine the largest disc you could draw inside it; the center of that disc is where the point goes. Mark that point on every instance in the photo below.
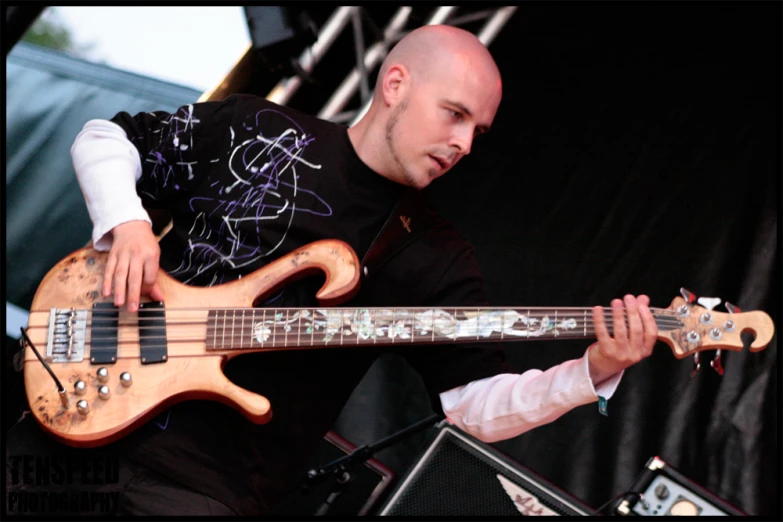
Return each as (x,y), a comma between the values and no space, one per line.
(372,57)
(282,92)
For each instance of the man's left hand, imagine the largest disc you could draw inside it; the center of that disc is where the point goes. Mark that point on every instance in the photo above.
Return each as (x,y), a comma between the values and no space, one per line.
(632,341)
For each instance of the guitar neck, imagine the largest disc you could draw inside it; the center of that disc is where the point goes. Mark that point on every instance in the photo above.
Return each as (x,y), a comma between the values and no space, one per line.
(258,329)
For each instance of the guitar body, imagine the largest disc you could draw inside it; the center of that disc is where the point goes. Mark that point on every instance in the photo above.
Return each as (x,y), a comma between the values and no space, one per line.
(190,371)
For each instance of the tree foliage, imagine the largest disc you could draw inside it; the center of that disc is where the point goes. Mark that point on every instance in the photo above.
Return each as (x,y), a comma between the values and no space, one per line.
(50,31)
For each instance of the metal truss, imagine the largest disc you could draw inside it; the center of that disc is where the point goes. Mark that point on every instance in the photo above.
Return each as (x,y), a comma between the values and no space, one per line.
(368,57)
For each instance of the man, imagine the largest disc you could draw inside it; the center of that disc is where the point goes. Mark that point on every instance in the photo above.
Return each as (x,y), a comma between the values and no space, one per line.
(246,182)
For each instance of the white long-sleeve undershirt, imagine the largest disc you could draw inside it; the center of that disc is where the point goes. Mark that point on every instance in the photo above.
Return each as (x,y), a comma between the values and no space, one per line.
(107,167)
(500,407)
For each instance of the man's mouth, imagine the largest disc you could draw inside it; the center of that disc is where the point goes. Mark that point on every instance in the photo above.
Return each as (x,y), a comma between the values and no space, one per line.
(439,162)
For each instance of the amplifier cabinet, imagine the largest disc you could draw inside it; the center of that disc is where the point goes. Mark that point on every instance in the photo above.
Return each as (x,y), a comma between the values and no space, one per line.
(458,474)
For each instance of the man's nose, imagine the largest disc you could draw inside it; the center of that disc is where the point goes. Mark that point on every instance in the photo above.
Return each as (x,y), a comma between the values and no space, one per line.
(462,142)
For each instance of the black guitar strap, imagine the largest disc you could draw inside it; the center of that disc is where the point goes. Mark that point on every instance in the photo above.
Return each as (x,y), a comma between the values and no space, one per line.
(408,220)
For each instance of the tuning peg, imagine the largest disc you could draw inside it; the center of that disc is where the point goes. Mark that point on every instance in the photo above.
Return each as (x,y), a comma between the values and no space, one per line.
(696,364)
(716,363)
(709,302)
(687,295)
(732,308)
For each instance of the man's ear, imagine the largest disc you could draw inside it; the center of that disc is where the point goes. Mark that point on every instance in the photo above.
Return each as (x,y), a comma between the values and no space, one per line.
(394,84)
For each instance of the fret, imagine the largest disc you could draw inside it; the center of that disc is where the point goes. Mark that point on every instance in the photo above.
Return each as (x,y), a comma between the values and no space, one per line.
(299,329)
(326,338)
(393,326)
(342,325)
(554,330)
(214,329)
(412,315)
(502,324)
(584,316)
(373,319)
(252,324)
(233,320)
(242,331)
(261,341)
(273,327)
(286,328)
(477,324)
(358,326)
(528,323)
(223,338)
(432,325)
(312,328)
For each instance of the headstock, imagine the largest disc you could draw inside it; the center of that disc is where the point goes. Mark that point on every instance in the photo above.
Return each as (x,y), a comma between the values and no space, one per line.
(690,326)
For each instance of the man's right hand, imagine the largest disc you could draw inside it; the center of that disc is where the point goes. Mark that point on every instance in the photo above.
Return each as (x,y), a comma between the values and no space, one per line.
(132,266)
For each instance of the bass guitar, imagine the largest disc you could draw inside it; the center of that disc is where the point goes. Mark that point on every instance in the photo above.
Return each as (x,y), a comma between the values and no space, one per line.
(93,372)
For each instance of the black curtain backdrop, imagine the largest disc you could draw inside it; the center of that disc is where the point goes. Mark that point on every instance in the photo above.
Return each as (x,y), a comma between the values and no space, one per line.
(636,150)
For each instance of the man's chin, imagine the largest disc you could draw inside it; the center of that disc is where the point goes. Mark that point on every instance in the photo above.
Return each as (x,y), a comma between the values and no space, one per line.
(419,181)
(424,181)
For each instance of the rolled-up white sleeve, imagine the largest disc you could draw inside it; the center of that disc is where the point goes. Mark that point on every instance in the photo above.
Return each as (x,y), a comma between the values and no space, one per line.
(107,167)
(506,405)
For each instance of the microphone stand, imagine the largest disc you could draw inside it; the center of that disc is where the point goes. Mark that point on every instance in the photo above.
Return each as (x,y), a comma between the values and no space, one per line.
(341,468)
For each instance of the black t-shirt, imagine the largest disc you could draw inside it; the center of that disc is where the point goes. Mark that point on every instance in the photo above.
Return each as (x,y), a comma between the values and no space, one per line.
(248,181)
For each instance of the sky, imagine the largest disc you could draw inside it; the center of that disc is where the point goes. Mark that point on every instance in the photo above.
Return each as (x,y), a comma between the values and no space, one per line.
(190,46)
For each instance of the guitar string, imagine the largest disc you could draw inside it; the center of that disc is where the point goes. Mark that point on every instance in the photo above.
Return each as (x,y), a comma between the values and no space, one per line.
(471,309)
(95,326)
(212,323)
(660,314)
(583,330)
(665,318)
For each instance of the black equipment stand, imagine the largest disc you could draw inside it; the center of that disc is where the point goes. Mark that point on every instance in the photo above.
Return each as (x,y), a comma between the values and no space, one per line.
(341,468)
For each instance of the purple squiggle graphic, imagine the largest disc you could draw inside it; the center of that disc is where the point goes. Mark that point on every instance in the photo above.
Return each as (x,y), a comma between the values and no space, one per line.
(265,188)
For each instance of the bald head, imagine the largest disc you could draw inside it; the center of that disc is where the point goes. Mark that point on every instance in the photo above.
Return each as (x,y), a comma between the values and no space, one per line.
(430,51)
(437,90)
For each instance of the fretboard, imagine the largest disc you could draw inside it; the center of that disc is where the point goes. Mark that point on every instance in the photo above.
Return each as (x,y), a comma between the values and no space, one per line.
(294,328)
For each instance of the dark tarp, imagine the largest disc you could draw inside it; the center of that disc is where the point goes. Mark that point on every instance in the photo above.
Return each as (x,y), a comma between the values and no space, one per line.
(636,150)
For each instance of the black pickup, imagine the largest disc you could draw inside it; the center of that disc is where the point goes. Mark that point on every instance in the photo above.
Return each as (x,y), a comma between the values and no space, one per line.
(103,333)
(152,333)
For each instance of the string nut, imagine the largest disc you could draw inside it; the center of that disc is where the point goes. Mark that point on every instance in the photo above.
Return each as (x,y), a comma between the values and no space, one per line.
(80,388)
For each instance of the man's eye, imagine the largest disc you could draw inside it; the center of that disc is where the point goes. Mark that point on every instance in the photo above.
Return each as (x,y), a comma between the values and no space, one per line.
(456,115)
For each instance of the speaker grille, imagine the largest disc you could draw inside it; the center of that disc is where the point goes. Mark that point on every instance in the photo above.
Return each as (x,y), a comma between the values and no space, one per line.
(458,475)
